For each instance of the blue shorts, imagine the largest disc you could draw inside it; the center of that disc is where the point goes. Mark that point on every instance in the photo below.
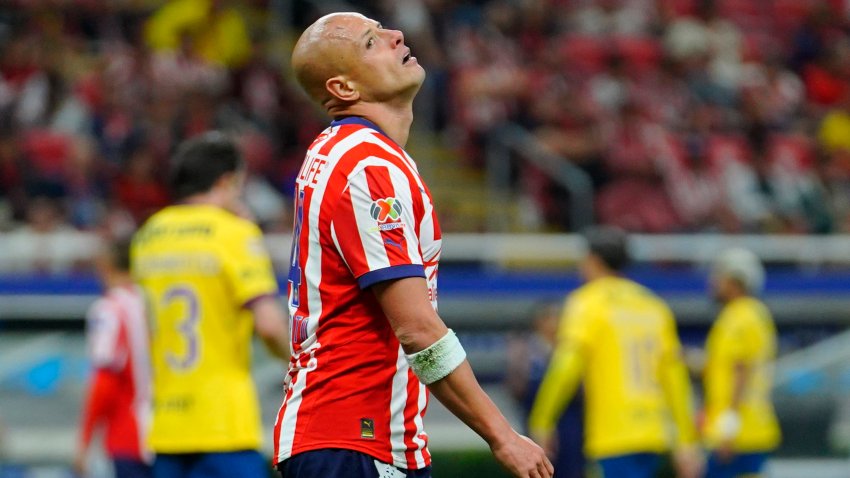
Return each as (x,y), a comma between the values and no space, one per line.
(637,465)
(743,464)
(129,468)
(336,463)
(248,463)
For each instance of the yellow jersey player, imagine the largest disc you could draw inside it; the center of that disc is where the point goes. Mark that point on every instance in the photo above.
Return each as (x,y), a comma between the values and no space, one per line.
(740,424)
(209,284)
(621,340)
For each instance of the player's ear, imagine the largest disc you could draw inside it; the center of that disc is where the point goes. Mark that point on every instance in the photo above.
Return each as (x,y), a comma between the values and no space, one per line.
(342,89)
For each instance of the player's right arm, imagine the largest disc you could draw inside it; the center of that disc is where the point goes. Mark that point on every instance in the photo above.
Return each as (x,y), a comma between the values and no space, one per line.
(564,372)
(417,327)
(250,273)
(270,325)
(676,385)
(735,347)
(103,331)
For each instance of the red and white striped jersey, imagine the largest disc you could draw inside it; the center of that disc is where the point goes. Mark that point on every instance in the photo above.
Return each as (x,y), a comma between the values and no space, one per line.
(363,215)
(119,396)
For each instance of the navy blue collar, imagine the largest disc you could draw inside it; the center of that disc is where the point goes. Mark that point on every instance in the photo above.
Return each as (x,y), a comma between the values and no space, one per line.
(358,120)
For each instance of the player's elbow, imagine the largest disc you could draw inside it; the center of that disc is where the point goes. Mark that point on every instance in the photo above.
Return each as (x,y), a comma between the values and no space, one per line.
(269,319)
(416,336)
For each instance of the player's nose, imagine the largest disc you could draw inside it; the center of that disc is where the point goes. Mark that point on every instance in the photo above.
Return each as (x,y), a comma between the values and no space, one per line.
(396,38)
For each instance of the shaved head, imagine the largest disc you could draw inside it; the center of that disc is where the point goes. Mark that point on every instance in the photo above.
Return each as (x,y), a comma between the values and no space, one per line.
(324,51)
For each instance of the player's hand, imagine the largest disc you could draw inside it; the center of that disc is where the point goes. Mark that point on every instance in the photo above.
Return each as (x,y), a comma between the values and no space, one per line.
(522,457)
(725,452)
(547,441)
(689,462)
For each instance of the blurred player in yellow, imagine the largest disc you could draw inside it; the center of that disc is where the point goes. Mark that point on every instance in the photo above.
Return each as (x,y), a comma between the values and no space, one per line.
(621,340)
(209,284)
(740,426)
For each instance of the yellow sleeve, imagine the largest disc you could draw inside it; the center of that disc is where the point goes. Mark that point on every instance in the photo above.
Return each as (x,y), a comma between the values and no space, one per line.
(247,264)
(677,385)
(736,343)
(576,323)
(556,391)
(565,369)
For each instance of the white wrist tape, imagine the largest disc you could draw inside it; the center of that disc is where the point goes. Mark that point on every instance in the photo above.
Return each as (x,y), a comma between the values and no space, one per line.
(438,360)
(728,424)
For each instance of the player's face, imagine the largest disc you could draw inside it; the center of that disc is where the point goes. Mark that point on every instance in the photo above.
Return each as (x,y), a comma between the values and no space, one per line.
(721,288)
(384,67)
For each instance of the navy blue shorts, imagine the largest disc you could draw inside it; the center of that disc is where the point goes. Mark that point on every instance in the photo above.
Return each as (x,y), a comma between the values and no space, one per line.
(740,465)
(129,468)
(637,465)
(335,463)
(248,463)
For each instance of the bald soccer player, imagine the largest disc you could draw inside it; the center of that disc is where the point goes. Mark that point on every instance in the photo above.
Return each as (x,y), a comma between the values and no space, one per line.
(367,342)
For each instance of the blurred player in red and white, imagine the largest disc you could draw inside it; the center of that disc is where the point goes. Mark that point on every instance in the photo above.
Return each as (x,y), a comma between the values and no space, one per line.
(119,394)
(366,337)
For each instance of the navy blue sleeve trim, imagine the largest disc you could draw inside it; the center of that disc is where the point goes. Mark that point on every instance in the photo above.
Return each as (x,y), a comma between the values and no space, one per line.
(388,273)
(252,301)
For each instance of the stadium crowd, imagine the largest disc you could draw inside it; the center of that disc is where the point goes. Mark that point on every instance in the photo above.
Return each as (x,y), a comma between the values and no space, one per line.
(688,115)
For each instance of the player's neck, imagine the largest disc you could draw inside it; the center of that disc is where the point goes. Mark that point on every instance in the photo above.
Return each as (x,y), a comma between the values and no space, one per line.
(733,296)
(118,280)
(393,119)
(595,273)
(210,198)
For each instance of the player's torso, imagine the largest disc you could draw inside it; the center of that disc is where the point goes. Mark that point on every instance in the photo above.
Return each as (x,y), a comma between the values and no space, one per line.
(129,419)
(625,402)
(343,346)
(200,336)
(746,327)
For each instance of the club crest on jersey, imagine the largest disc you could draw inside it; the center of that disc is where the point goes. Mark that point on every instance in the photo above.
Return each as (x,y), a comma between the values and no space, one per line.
(386,210)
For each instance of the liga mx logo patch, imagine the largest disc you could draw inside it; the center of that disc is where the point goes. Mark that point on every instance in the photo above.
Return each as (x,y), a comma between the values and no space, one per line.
(386,210)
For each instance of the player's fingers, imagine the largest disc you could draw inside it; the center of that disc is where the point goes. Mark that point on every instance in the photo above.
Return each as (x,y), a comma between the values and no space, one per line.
(549,466)
(543,469)
(534,474)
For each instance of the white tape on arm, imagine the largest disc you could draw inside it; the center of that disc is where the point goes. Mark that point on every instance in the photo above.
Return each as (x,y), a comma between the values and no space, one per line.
(438,360)
(728,425)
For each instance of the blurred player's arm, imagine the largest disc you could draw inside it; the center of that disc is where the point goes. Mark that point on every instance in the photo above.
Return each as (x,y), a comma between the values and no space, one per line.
(417,327)
(557,389)
(270,323)
(677,389)
(676,384)
(736,348)
(565,370)
(105,385)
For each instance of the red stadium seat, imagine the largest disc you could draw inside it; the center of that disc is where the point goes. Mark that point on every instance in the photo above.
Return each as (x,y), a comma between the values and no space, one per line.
(792,152)
(681,8)
(789,14)
(639,53)
(47,151)
(586,53)
(723,149)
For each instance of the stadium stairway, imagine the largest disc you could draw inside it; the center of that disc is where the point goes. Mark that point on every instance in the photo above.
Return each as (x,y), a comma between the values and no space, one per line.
(459,189)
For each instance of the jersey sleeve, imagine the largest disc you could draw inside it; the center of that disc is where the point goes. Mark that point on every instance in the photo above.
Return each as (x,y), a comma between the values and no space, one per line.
(671,348)
(576,324)
(103,336)
(736,343)
(374,225)
(247,265)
